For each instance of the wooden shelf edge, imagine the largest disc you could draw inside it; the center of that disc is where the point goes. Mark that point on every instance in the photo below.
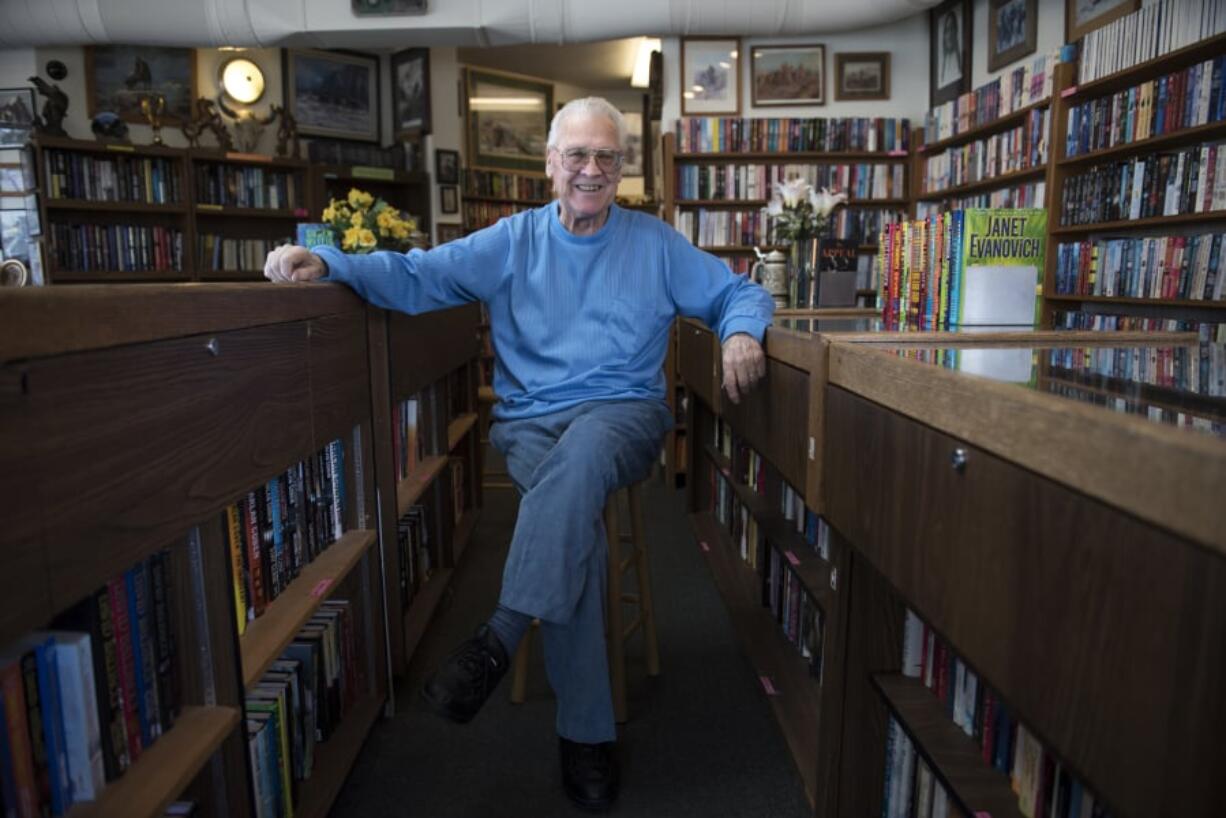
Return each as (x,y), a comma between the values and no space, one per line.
(114,207)
(421,610)
(1137,224)
(1194,134)
(267,635)
(1184,304)
(458,428)
(410,489)
(954,757)
(464,533)
(165,769)
(335,757)
(1002,180)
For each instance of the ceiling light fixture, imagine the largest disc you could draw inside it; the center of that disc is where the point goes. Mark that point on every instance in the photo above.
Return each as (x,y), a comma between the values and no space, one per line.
(642,62)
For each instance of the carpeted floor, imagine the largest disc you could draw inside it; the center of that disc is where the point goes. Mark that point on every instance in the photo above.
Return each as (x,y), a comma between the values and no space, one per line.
(701,740)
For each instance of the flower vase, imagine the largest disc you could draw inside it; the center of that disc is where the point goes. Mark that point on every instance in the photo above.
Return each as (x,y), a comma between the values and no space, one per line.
(802,270)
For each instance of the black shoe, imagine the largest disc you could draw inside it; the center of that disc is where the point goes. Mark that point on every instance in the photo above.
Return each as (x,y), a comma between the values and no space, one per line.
(459,688)
(589,774)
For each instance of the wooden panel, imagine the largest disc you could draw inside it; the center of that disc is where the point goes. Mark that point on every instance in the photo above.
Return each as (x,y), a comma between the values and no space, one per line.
(774,419)
(340,376)
(43,321)
(426,347)
(834,679)
(697,361)
(135,445)
(1102,632)
(1169,476)
(458,427)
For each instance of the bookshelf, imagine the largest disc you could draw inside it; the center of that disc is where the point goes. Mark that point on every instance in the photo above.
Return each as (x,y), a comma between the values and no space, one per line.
(491,195)
(433,358)
(407,191)
(136,436)
(1067,291)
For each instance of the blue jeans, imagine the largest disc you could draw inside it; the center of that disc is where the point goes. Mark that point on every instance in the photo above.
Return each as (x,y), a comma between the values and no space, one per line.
(565,465)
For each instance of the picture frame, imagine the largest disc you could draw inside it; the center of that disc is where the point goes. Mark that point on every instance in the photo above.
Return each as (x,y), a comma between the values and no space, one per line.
(788,74)
(411,92)
(446,166)
(710,76)
(635,142)
(449,232)
(448,199)
(1083,16)
(1013,31)
(949,51)
(17,111)
(507,135)
(332,93)
(118,77)
(862,75)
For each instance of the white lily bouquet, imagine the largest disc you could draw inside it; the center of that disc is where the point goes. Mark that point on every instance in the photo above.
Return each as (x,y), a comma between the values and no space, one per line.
(800,212)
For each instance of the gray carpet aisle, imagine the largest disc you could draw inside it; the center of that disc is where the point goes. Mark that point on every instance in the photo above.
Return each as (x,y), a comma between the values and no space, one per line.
(701,740)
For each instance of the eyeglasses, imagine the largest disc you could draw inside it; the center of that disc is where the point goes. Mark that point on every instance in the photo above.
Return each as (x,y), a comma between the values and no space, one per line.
(575,159)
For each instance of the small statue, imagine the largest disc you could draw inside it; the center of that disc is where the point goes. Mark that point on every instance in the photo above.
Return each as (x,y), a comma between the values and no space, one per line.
(207,118)
(55,108)
(152,108)
(287,132)
(108,127)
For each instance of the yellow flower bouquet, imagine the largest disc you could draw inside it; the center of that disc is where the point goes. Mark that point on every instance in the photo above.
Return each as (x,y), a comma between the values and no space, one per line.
(363,224)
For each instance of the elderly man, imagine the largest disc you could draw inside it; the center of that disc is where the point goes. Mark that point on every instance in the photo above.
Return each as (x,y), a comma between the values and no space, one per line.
(581,295)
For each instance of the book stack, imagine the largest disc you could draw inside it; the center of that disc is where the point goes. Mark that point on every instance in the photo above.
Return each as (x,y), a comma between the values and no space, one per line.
(246,186)
(79,704)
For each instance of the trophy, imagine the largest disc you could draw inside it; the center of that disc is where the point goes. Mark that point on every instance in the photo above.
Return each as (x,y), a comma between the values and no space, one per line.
(152,108)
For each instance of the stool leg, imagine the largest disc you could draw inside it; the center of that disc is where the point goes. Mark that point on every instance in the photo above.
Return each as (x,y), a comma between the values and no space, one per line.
(519,680)
(613,619)
(643,575)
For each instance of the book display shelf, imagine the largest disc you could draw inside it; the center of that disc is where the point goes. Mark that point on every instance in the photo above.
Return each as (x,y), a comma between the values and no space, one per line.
(128,443)
(765,478)
(490,195)
(1149,249)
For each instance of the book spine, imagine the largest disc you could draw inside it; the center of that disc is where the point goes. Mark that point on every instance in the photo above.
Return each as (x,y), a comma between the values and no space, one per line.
(18,740)
(126,666)
(53,727)
(164,641)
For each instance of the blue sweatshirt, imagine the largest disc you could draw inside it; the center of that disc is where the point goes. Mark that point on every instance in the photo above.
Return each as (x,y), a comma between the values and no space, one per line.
(572,318)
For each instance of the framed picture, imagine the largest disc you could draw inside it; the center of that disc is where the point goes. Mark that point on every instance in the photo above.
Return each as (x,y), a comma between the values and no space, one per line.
(118,77)
(377,8)
(1013,31)
(949,51)
(449,199)
(446,167)
(332,93)
(16,115)
(508,120)
(1083,16)
(862,75)
(449,232)
(411,92)
(633,164)
(710,76)
(788,74)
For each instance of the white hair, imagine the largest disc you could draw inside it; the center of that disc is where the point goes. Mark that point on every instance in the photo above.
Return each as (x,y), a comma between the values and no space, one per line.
(592,107)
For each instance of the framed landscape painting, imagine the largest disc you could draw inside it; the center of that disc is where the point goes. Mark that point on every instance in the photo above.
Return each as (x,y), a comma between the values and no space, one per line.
(118,77)
(16,115)
(864,75)
(710,76)
(508,120)
(788,75)
(333,93)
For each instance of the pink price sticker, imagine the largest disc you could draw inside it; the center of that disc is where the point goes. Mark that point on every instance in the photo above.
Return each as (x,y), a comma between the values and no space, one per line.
(321,587)
(768,686)
(703,545)
(1067,92)
(301,213)
(983,814)
(897,152)
(791,557)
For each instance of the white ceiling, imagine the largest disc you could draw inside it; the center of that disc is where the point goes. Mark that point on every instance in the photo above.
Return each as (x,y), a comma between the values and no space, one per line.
(603,66)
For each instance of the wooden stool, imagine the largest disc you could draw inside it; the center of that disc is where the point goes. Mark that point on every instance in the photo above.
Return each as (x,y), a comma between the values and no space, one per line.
(616,631)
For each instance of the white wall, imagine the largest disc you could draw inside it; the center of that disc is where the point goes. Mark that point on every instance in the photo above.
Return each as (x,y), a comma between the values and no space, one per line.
(1050,37)
(17,65)
(445,123)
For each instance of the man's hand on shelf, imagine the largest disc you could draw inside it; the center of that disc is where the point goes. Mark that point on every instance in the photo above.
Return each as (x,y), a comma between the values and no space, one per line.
(291,263)
(744,365)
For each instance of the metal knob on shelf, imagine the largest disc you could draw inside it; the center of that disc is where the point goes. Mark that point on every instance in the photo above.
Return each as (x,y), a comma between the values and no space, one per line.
(213,346)
(958,460)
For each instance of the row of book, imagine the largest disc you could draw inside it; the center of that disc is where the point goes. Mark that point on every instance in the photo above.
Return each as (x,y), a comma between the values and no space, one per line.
(144,180)
(724,228)
(216,252)
(1209,332)
(1192,180)
(911,788)
(732,181)
(482,214)
(415,430)
(1156,29)
(1183,99)
(414,546)
(713,134)
(1027,84)
(281,526)
(80,703)
(117,247)
(506,185)
(1044,786)
(1185,267)
(861,224)
(246,186)
(1014,197)
(962,268)
(1017,149)
(398,155)
(1200,369)
(299,703)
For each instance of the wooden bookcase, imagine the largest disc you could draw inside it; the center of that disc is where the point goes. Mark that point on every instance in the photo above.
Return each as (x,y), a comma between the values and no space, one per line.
(408,192)
(1063,166)
(490,195)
